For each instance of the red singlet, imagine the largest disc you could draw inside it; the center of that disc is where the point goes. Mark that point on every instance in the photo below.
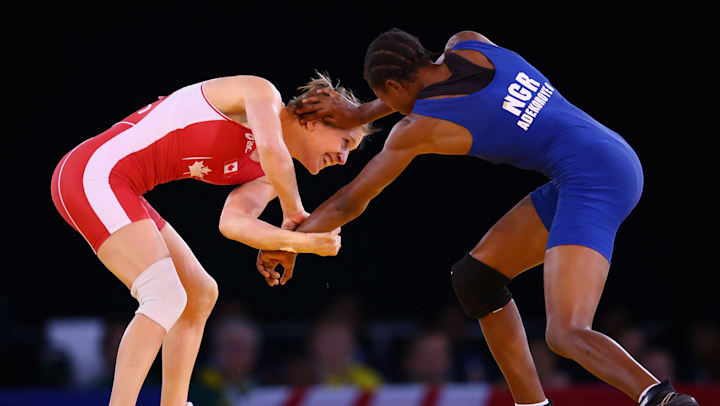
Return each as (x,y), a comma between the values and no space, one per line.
(98,186)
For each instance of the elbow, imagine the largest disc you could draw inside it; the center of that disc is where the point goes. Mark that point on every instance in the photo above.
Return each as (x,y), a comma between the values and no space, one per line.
(226,227)
(238,227)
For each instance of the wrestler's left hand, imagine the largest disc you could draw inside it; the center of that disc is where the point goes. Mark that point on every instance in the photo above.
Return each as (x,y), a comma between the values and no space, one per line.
(294,220)
(267,261)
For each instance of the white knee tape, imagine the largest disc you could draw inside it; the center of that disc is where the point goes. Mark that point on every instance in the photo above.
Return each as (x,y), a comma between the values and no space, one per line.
(161,296)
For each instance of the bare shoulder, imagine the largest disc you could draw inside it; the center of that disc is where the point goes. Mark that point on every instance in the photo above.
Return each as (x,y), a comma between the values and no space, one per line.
(229,94)
(474,56)
(427,135)
(407,134)
(466,36)
(241,84)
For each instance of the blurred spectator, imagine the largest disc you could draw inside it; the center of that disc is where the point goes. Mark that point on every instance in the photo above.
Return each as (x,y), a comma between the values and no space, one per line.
(704,343)
(633,340)
(298,371)
(429,358)
(333,358)
(346,306)
(659,362)
(471,358)
(229,375)
(547,365)
(656,359)
(614,321)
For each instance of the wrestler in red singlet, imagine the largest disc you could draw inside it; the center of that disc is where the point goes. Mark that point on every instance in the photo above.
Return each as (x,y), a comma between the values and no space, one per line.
(202,131)
(98,186)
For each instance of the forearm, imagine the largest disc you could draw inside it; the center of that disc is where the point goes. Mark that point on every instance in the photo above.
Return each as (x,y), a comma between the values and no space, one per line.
(280,171)
(337,211)
(350,202)
(263,106)
(374,110)
(261,235)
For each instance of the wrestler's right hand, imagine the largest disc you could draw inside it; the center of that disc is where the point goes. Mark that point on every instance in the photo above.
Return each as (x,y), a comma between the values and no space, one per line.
(323,244)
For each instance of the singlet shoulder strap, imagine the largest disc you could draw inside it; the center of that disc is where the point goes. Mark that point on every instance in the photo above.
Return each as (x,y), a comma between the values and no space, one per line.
(467,78)
(474,45)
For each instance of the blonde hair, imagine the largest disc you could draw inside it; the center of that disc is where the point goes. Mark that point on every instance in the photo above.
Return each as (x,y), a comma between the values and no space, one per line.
(323,81)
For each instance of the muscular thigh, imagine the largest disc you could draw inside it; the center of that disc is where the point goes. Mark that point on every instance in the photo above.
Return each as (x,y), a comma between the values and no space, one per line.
(132,249)
(574,278)
(516,242)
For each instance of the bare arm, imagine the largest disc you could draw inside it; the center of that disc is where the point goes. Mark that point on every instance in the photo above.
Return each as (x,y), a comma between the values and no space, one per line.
(262,106)
(374,110)
(334,109)
(405,142)
(239,221)
(351,201)
(260,102)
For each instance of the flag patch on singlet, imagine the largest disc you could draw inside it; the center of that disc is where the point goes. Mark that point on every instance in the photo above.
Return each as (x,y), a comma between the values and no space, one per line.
(230,167)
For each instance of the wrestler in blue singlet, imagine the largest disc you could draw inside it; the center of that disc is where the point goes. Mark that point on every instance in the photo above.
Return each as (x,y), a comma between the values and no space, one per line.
(520,119)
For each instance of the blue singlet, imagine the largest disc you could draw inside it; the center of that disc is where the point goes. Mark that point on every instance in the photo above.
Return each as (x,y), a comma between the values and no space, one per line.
(520,119)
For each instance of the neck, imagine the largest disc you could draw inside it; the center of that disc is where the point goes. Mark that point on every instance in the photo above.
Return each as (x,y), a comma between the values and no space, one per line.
(433,73)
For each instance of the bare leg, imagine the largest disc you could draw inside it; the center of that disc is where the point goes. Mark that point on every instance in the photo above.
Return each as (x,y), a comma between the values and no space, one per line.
(574,280)
(182,343)
(514,244)
(505,336)
(138,348)
(127,253)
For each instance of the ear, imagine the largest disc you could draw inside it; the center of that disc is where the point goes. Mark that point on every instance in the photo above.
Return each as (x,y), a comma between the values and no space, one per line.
(393,85)
(311,125)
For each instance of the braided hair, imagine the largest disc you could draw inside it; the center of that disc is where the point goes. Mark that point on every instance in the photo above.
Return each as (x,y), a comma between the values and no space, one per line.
(394,54)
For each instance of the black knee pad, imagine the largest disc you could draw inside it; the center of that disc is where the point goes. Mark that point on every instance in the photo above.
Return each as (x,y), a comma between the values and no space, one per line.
(479,288)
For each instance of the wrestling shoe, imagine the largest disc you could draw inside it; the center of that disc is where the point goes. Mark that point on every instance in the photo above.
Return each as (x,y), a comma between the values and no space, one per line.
(664,394)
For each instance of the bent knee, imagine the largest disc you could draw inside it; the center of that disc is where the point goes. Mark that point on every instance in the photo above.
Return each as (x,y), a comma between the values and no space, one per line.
(565,340)
(479,288)
(210,292)
(202,295)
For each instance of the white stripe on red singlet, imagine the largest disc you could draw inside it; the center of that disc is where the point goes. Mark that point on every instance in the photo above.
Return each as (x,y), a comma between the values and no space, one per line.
(125,122)
(213,107)
(59,189)
(184,107)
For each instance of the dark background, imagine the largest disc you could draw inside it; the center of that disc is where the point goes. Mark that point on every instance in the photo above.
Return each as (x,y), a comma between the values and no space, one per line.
(74,71)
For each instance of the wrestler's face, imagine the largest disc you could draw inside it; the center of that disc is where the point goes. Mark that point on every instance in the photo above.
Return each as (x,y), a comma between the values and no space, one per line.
(327,146)
(398,95)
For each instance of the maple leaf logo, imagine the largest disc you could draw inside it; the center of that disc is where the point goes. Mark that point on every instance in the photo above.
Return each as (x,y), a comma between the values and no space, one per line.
(198,169)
